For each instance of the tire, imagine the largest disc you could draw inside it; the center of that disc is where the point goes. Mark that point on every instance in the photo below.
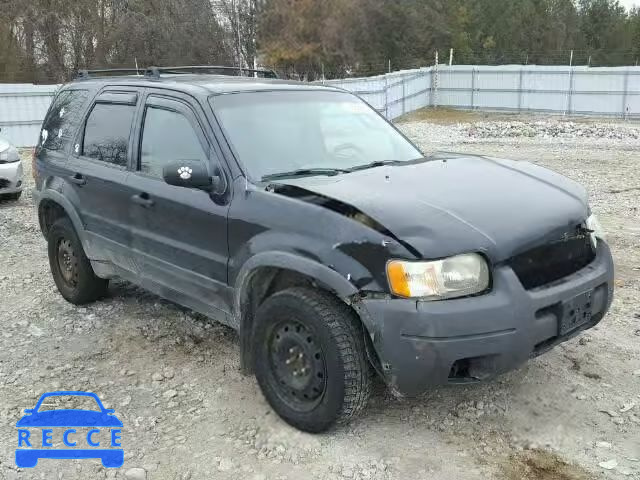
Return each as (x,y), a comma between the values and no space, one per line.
(313,333)
(70,267)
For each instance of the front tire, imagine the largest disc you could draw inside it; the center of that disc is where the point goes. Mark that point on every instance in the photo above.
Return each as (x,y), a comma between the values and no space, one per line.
(310,358)
(70,267)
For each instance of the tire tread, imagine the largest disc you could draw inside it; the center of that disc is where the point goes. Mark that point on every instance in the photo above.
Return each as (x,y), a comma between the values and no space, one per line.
(347,331)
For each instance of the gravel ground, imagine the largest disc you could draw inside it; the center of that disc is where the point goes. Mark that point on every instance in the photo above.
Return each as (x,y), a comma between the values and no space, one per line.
(188,413)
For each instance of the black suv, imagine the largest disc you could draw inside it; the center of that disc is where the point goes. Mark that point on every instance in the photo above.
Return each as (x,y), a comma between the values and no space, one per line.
(299,216)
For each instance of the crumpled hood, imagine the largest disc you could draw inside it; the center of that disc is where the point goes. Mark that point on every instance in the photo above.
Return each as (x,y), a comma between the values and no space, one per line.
(454,204)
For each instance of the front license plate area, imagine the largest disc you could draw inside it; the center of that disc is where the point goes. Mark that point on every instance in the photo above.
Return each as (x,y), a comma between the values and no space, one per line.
(576,312)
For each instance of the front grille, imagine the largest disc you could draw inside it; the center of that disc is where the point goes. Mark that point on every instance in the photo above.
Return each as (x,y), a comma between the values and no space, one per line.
(4,183)
(551,262)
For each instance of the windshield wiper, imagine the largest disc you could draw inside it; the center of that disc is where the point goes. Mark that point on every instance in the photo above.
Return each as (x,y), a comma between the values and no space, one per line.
(304,172)
(379,163)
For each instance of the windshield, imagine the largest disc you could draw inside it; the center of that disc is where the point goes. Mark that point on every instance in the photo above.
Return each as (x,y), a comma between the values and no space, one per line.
(66,402)
(322,132)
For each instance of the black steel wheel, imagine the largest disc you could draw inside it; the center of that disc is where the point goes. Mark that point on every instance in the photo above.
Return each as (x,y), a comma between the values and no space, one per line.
(310,358)
(68,262)
(70,267)
(297,363)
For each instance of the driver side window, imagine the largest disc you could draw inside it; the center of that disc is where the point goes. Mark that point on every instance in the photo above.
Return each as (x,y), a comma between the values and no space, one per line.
(167,136)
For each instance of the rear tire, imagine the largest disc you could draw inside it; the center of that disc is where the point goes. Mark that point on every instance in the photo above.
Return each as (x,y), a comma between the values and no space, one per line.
(310,359)
(70,267)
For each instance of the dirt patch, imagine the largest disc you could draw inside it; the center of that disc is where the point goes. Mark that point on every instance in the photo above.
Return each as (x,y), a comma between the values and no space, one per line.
(541,465)
(446,116)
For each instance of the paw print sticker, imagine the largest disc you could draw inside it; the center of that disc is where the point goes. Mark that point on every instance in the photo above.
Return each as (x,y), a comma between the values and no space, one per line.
(185,173)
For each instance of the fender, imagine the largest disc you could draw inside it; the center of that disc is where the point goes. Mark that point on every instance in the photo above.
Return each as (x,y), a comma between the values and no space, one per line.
(326,277)
(57,197)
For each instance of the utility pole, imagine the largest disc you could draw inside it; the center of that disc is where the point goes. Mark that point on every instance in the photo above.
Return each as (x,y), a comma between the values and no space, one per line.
(568,107)
(236,11)
(434,93)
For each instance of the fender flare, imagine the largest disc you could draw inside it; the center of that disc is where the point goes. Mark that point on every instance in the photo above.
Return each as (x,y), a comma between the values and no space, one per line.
(325,276)
(57,197)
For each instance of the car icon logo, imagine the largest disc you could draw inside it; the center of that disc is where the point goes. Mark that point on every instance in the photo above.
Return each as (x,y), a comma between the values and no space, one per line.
(36,432)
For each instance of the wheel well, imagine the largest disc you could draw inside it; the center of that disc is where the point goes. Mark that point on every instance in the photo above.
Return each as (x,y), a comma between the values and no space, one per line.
(48,212)
(262,283)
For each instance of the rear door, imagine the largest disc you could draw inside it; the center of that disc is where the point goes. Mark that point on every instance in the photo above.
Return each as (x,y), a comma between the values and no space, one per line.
(179,234)
(98,171)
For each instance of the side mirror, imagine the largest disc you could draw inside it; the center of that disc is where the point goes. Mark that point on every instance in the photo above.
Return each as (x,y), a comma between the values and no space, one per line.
(188,174)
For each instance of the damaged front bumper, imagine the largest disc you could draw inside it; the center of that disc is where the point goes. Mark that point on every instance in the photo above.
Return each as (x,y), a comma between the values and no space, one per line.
(420,343)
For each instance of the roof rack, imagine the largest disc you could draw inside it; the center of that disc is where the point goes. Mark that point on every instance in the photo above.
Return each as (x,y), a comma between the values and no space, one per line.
(155,72)
(220,69)
(85,74)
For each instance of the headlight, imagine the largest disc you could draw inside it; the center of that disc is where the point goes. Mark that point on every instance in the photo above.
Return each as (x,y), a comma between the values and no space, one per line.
(451,277)
(9,155)
(593,224)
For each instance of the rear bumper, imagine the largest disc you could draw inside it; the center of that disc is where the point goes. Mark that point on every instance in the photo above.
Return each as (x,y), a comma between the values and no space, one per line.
(420,344)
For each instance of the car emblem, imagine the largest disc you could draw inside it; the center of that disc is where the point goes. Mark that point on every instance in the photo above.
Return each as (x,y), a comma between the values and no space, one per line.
(36,432)
(185,173)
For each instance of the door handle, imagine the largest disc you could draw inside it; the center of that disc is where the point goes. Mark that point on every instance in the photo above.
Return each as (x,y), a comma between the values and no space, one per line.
(142,199)
(78,179)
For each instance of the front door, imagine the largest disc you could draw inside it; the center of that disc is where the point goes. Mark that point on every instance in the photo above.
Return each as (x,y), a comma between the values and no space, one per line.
(179,234)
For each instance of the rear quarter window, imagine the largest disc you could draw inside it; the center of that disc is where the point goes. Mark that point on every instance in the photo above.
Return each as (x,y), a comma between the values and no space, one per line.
(62,121)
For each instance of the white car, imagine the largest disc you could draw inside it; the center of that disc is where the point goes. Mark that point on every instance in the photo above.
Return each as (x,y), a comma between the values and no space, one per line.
(10,171)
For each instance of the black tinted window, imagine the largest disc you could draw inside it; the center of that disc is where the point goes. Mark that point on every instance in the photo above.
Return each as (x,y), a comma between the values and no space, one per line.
(62,120)
(106,135)
(167,137)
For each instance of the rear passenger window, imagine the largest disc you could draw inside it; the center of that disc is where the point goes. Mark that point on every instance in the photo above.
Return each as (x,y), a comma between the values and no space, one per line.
(106,134)
(62,120)
(167,137)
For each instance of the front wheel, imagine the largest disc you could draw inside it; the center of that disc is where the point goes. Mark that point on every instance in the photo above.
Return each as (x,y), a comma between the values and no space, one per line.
(310,358)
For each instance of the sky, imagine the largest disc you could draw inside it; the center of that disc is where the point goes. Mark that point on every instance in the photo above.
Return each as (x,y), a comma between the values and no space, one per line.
(629,3)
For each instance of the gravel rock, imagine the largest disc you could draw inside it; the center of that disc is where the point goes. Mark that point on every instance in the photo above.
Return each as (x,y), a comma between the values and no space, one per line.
(551,129)
(170,394)
(136,474)
(609,464)
(226,465)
